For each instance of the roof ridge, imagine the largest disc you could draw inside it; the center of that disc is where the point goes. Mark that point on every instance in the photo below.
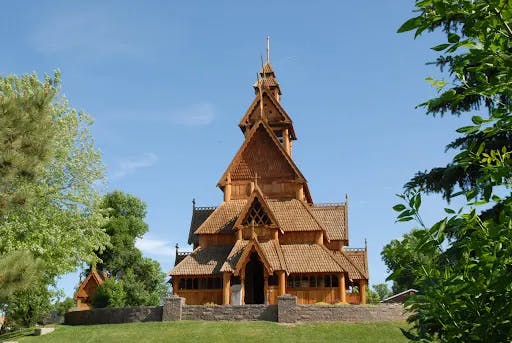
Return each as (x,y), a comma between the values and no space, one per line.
(204,208)
(280,254)
(327,204)
(340,263)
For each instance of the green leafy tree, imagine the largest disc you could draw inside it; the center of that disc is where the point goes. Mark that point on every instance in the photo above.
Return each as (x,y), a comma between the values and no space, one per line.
(403,258)
(111,293)
(382,290)
(142,278)
(465,290)
(63,306)
(372,297)
(30,306)
(49,205)
(63,225)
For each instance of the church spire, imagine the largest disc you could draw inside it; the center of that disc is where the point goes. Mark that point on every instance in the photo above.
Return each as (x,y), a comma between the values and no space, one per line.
(267,77)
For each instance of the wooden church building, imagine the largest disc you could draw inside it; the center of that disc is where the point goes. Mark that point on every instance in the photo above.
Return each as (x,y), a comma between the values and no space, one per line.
(268,237)
(87,288)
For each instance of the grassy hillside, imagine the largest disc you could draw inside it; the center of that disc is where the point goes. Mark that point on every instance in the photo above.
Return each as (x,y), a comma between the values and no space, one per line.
(240,332)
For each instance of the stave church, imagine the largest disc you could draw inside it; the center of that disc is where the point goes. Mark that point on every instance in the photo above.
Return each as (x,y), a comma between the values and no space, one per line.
(267,237)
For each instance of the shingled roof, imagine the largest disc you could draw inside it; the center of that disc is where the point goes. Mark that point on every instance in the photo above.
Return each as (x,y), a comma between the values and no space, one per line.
(203,261)
(309,258)
(222,218)
(293,215)
(358,257)
(333,220)
(199,216)
(261,154)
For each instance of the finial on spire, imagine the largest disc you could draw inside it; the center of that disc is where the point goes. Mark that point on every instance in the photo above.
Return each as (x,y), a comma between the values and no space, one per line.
(193,202)
(268,48)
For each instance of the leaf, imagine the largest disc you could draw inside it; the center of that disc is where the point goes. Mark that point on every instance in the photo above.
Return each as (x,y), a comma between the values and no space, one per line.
(410,24)
(468,129)
(440,47)
(417,201)
(453,38)
(477,120)
(399,207)
(449,210)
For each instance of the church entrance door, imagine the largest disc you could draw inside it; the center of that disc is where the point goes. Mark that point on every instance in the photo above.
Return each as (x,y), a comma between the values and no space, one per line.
(254,281)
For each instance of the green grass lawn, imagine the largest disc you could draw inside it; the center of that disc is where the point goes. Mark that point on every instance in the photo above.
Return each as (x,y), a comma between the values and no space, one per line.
(241,332)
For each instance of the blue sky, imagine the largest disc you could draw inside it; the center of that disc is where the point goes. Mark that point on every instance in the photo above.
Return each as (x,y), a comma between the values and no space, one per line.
(168,81)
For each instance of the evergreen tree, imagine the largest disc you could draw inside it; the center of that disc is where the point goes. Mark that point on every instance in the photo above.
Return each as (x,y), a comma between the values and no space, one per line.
(27,133)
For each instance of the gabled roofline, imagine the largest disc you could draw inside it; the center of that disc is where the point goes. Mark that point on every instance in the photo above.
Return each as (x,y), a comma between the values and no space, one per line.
(247,250)
(248,139)
(92,274)
(257,193)
(340,263)
(280,108)
(316,220)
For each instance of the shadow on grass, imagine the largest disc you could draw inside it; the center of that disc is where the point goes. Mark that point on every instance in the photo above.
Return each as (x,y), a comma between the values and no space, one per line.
(17,334)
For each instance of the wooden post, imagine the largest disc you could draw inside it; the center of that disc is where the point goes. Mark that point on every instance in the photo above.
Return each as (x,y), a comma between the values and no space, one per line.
(362,291)
(227,189)
(226,287)
(265,288)
(319,239)
(286,138)
(174,285)
(282,282)
(299,194)
(343,291)
(242,285)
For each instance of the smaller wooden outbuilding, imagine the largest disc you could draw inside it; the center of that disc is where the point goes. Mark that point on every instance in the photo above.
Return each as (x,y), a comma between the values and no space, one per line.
(400,297)
(87,288)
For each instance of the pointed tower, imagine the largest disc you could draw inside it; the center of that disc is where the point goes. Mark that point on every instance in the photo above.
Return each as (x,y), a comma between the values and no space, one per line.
(267,237)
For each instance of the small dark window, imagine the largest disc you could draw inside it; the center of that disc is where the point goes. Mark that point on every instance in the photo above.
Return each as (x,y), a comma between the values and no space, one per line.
(272,280)
(217,283)
(209,283)
(189,284)
(327,280)
(289,282)
(335,281)
(312,281)
(182,284)
(296,282)
(195,283)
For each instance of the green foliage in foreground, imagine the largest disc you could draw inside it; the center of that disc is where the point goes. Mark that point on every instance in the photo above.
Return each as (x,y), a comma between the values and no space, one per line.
(461,265)
(194,331)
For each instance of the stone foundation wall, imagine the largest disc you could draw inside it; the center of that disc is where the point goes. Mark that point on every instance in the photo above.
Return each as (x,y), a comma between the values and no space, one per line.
(350,313)
(114,315)
(286,311)
(232,313)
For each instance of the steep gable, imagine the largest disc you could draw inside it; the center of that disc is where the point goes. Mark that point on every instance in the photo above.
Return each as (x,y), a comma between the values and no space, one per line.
(256,212)
(273,112)
(261,155)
